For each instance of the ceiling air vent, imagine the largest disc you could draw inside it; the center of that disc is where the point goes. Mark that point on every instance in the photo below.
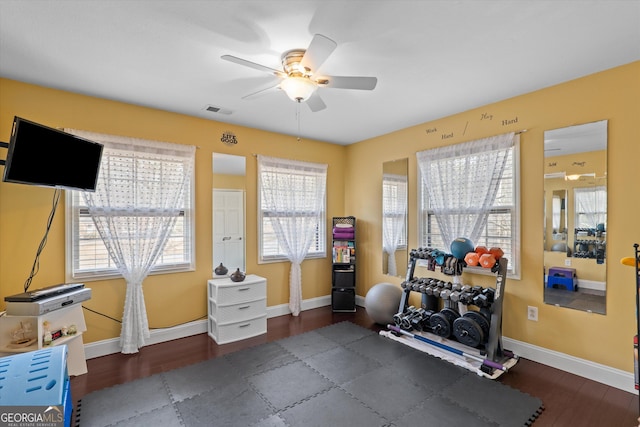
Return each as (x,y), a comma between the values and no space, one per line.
(219,110)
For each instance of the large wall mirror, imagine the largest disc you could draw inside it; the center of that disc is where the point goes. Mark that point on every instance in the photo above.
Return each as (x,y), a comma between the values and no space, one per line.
(575,223)
(229,211)
(394,217)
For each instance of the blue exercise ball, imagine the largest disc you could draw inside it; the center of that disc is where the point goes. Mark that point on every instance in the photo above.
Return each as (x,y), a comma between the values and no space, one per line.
(461,246)
(382,302)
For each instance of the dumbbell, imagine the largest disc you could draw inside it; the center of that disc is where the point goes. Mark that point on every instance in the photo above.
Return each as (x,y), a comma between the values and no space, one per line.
(456,286)
(477,289)
(445,294)
(490,293)
(482,300)
(407,321)
(466,295)
(423,253)
(397,318)
(424,283)
(406,284)
(440,284)
(415,286)
(422,323)
(431,287)
(455,296)
(426,286)
(413,321)
(416,320)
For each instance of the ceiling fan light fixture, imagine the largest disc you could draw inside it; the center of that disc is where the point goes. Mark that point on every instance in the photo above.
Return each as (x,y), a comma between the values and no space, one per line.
(298,88)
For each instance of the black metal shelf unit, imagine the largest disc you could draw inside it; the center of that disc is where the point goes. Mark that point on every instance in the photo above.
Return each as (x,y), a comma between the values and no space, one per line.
(343,275)
(483,330)
(590,243)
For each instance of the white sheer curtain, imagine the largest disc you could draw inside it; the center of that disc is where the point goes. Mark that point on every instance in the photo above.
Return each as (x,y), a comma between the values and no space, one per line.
(293,193)
(394,216)
(590,202)
(140,192)
(462,181)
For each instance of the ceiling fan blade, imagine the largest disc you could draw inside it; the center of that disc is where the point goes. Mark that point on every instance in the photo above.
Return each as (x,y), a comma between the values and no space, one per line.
(250,64)
(348,82)
(315,103)
(318,51)
(261,92)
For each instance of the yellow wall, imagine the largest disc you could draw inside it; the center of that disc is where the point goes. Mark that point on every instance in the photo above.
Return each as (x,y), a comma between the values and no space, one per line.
(171,299)
(613,95)
(229,182)
(176,298)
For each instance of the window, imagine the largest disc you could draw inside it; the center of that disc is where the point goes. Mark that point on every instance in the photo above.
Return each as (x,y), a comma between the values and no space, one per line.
(591,206)
(291,193)
(133,165)
(471,190)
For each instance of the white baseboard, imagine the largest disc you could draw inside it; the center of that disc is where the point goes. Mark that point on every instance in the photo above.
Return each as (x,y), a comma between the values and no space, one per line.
(112,345)
(309,304)
(604,374)
(593,285)
(585,368)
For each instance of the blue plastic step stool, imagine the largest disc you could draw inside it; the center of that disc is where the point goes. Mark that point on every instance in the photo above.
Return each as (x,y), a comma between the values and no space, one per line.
(562,277)
(38,380)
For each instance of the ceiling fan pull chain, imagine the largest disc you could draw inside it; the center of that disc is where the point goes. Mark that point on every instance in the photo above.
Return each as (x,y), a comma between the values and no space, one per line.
(298,117)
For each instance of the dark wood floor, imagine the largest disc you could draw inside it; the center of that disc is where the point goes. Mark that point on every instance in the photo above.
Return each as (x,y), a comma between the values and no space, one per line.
(569,400)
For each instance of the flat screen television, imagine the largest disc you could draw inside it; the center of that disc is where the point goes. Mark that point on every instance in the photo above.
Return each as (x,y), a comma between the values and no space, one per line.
(40,155)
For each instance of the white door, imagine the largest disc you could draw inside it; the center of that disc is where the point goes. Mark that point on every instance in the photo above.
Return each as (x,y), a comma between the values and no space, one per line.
(228,229)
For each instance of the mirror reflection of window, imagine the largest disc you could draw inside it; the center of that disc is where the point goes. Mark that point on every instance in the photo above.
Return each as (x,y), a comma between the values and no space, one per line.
(590,208)
(555,219)
(394,217)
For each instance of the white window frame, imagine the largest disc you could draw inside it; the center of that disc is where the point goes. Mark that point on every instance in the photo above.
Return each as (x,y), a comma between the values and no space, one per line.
(514,265)
(79,227)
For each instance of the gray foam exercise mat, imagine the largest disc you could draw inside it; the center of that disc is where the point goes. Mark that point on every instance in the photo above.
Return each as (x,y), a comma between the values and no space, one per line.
(338,375)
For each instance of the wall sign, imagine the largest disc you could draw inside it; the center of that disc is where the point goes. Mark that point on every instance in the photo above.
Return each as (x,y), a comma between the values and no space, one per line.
(229,138)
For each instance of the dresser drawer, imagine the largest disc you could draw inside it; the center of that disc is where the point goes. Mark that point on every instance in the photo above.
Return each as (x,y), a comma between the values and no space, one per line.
(236,312)
(227,292)
(231,332)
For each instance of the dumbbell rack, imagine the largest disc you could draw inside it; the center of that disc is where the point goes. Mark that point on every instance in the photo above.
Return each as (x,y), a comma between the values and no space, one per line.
(492,352)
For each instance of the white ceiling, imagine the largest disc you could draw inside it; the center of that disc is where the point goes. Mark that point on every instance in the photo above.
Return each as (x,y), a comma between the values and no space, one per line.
(432,58)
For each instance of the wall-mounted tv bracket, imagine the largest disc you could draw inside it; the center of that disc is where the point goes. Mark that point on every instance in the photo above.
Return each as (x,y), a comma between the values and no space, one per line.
(3,145)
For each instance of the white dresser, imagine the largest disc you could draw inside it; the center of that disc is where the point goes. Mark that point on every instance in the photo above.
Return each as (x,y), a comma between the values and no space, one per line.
(237,310)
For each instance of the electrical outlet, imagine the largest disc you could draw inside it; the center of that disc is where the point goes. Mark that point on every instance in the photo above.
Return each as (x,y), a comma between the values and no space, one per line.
(532,313)
(567,262)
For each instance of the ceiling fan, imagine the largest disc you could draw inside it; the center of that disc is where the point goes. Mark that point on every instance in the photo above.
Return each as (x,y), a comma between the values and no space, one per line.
(298,78)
